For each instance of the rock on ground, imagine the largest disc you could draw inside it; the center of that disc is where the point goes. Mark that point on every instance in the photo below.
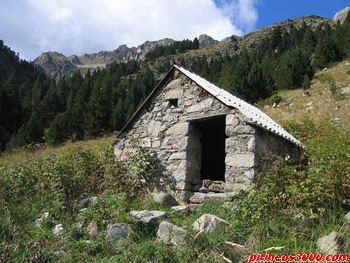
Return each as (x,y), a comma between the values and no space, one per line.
(330,244)
(170,233)
(209,223)
(165,199)
(146,216)
(117,232)
(92,229)
(57,230)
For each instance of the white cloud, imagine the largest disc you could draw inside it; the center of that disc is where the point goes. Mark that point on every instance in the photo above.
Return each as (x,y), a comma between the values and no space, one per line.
(77,26)
(242,13)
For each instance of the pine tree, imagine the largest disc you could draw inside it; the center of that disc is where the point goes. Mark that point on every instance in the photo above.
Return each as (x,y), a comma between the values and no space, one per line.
(195,43)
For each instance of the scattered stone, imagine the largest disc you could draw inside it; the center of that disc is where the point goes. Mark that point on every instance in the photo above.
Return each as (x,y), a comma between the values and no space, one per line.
(346,203)
(347,216)
(146,216)
(345,90)
(193,207)
(299,216)
(197,198)
(41,219)
(206,183)
(180,210)
(82,210)
(85,200)
(79,225)
(170,233)
(92,229)
(306,94)
(215,196)
(217,188)
(165,199)
(336,120)
(117,232)
(209,223)
(59,253)
(204,190)
(57,230)
(330,244)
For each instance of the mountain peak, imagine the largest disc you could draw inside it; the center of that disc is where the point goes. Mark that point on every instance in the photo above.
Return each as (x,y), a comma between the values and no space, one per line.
(342,15)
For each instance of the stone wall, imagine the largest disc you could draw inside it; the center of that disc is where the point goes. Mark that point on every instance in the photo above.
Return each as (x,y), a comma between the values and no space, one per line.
(240,157)
(270,148)
(166,125)
(167,130)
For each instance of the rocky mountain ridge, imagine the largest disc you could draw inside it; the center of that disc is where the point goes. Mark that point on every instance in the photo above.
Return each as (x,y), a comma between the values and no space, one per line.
(57,65)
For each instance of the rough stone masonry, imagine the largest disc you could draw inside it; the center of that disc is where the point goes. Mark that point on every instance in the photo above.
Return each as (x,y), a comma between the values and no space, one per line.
(170,124)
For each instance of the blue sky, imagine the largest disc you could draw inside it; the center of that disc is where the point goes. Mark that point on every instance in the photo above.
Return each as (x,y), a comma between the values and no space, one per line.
(31,27)
(271,11)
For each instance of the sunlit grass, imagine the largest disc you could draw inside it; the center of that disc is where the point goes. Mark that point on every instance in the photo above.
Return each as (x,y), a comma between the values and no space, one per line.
(23,153)
(320,108)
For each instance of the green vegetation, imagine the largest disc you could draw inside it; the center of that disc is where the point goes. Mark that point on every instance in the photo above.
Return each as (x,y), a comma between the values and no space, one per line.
(288,206)
(37,109)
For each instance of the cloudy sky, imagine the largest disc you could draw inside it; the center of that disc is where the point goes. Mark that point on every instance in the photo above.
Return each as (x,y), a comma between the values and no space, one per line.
(31,27)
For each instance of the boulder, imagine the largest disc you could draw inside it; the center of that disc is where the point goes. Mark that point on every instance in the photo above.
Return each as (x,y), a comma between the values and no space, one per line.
(197,198)
(146,216)
(209,223)
(165,199)
(117,232)
(330,244)
(216,196)
(170,233)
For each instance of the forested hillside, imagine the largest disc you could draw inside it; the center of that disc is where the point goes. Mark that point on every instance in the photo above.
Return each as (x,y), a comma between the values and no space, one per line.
(35,108)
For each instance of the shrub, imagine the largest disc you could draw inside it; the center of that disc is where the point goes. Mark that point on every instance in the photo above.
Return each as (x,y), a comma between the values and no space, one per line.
(304,130)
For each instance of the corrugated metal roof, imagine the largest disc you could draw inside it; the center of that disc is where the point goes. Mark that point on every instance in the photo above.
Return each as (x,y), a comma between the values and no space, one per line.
(255,115)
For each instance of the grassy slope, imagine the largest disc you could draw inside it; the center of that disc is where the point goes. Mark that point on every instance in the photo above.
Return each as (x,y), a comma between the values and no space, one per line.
(273,229)
(319,107)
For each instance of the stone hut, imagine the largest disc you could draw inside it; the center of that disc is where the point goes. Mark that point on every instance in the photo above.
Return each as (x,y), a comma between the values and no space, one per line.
(199,131)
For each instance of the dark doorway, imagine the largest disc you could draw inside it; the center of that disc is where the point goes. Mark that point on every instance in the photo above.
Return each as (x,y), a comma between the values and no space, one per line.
(213,147)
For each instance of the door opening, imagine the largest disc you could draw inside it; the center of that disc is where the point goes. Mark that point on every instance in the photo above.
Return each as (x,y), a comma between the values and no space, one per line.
(212,138)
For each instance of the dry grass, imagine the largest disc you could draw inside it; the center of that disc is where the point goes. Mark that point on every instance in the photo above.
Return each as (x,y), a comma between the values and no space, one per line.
(23,154)
(319,107)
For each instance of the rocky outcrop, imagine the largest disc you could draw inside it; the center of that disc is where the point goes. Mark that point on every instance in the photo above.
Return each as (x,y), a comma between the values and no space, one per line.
(342,15)
(206,41)
(54,64)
